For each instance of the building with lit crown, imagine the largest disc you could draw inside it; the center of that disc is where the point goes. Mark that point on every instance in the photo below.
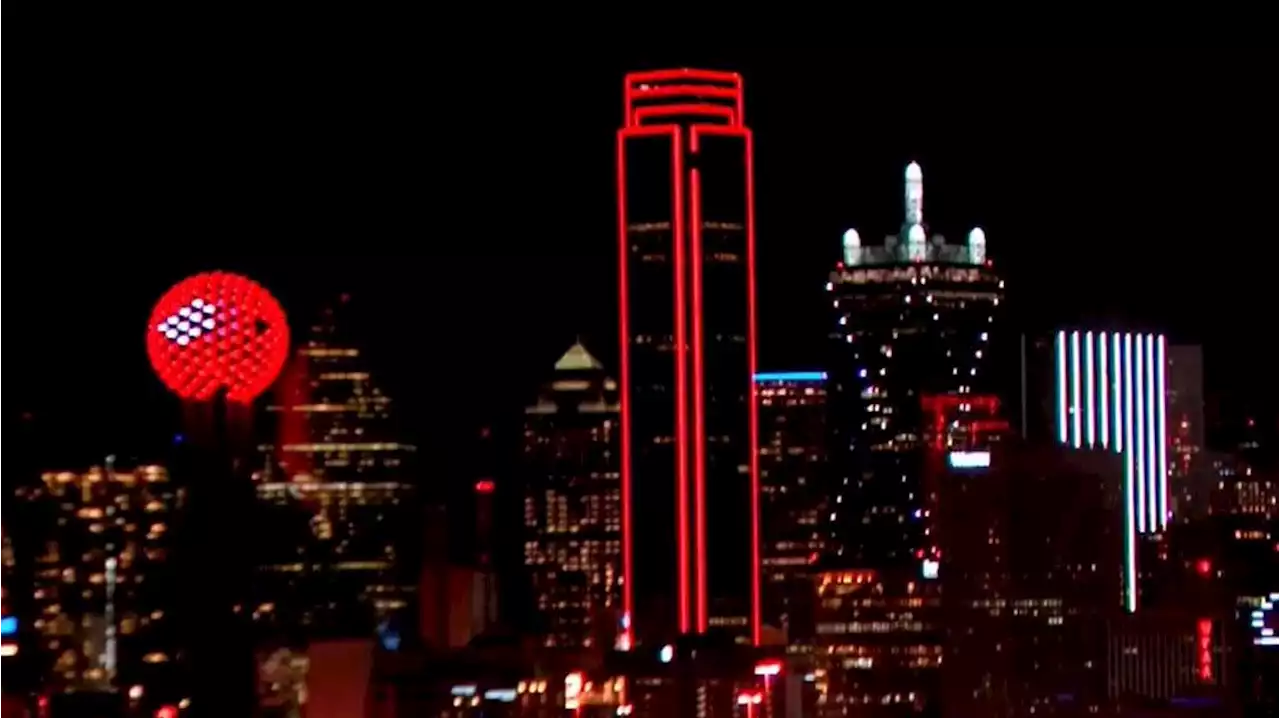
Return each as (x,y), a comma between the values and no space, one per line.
(689,465)
(912,316)
(795,523)
(335,500)
(572,504)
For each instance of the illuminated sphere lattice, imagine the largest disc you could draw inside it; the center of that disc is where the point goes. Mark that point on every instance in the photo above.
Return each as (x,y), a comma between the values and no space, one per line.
(217,331)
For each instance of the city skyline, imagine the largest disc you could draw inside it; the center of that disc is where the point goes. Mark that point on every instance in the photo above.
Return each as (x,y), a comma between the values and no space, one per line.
(804,488)
(842,171)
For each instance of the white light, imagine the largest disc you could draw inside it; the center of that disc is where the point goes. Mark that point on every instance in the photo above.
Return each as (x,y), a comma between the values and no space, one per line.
(174,319)
(171,334)
(195,332)
(184,340)
(184,326)
(207,324)
(197,303)
(209,309)
(667,653)
(929,569)
(162,328)
(184,312)
(969,459)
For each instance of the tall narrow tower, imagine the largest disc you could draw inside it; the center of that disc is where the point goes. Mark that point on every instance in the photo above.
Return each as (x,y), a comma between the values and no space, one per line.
(686,234)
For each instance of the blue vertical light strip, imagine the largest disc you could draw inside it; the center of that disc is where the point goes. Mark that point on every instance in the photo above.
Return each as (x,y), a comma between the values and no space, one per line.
(1162,431)
(1154,483)
(1139,447)
(1090,393)
(1060,384)
(1117,390)
(1104,406)
(1075,389)
(1130,559)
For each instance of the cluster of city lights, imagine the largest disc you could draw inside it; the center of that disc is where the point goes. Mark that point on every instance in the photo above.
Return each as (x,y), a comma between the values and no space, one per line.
(1265,635)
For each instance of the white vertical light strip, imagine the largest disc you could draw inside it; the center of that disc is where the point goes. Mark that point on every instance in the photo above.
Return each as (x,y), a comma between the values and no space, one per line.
(1117,390)
(1090,393)
(1162,431)
(1060,384)
(1104,407)
(1139,446)
(1154,482)
(1130,560)
(1075,390)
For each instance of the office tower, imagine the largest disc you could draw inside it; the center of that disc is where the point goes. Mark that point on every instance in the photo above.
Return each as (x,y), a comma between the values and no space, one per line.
(1031,573)
(914,316)
(795,523)
(1110,394)
(102,589)
(572,503)
(1190,479)
(690,477)
(335,501)
(878,648)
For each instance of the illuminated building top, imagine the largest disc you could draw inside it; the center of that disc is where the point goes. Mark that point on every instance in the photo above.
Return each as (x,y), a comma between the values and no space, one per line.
(912,244)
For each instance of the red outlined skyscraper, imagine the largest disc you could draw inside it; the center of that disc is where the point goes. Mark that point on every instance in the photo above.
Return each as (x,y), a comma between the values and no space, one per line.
(690,472)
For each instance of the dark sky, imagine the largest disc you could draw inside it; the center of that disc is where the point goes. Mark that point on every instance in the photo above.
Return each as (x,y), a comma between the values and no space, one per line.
(471,213)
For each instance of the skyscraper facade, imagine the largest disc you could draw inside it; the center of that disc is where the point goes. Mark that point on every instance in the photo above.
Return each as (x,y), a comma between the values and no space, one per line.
(1110,394)
(913,317)
(335,498)
(102,597)
(795,523)
(686,239)
(572,504)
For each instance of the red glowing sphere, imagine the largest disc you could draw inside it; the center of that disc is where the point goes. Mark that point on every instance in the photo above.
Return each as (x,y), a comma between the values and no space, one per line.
(217,331)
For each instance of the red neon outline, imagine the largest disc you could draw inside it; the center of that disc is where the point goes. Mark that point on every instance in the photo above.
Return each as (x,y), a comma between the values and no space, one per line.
(710,91)
(683,73)
(753,416)
(699,417)
(640,114)
(624,395)
(682,379)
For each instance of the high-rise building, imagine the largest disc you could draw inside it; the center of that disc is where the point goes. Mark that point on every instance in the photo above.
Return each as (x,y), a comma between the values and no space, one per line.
(1190,477)
(335,499)
(690,474)
(1031,574)
(102,581)
(795,524)
(1110,394)
(572,504)
(912,317)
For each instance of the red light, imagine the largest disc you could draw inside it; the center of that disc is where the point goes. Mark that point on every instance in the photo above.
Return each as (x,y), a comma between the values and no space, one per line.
(166,712)
(485,486)
(217,331)
(1204,567)
(1204,645)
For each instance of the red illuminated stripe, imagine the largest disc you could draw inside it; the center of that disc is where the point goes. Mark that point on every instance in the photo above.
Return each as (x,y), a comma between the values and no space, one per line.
(640,115)
(681,74)
(667,91)
(752,410)
(624,396)
(699,416)
(682,378)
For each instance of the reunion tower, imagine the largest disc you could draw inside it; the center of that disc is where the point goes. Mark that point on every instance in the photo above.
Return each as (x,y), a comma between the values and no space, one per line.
(217,341)
(690,475)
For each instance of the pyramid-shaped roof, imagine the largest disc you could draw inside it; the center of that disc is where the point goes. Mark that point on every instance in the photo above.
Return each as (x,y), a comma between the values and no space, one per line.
(577,359)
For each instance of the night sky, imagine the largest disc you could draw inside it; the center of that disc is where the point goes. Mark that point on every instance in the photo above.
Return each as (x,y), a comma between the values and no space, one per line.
(471,214)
